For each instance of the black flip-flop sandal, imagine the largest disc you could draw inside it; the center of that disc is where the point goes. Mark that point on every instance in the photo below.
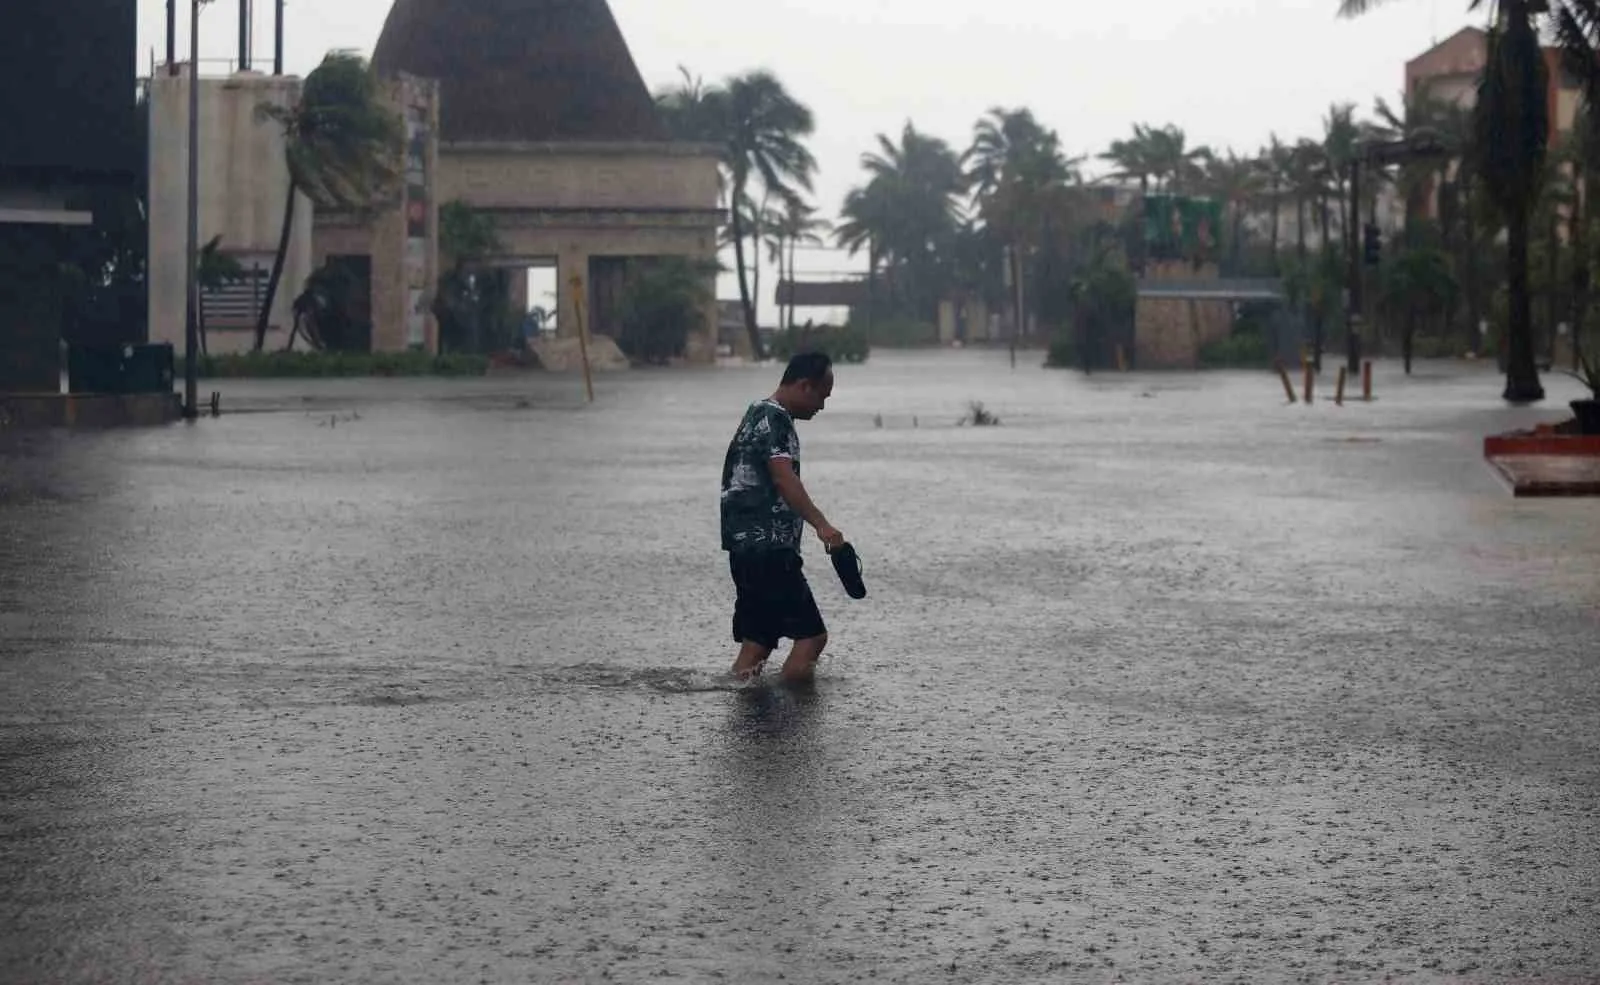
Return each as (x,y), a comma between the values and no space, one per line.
(848,566)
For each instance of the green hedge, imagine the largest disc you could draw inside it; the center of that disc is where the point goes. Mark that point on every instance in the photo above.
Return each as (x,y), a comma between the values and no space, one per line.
(900,332)
(300,365)
(1237,352)
(842,345)
(1063,353)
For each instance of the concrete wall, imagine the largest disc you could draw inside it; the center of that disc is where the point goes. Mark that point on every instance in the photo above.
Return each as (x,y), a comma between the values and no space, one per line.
(572,203)
(1168,333)
(243,181)
(565,204)
(580,176)
(1462,54)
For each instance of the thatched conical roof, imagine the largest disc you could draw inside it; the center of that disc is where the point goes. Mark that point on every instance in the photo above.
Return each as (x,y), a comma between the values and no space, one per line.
(522,70)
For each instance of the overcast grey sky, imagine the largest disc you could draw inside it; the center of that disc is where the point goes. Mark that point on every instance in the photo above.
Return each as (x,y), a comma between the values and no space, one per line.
(1229,72)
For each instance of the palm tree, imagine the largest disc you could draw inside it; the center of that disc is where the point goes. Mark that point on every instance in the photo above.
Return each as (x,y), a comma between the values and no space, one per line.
(1578,31)
(1512,123)
(1235,182)
(1021,181)
(797,226)
(1419,115)
(1416,283)
(692,110)
(764,129)
(1275,165)
(1176,166)
(1306,182)
(1133,159)
(214,270)
(759,222)
(922,180)
(866,213)
(342,144)
(1340,135)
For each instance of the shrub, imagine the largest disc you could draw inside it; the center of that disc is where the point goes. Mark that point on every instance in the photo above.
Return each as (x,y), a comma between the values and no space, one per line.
(1236,352)
(1063,352)
(843,345)
(898,331)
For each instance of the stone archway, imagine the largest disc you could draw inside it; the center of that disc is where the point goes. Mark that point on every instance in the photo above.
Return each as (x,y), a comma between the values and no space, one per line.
(545,124)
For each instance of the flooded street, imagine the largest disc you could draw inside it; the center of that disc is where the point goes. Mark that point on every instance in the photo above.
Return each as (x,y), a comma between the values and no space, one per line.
(1161,680)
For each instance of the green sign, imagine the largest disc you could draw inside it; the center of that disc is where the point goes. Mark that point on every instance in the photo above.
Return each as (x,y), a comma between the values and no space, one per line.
(1181,228)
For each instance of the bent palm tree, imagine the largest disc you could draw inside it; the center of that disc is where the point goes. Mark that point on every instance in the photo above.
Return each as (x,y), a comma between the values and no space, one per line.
(764,129)
(342,146)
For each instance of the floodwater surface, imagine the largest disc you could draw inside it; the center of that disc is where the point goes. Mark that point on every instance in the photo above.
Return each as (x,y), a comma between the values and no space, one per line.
(1160,680)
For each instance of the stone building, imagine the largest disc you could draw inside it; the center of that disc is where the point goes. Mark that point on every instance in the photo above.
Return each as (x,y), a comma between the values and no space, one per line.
(545,124)
(530,111)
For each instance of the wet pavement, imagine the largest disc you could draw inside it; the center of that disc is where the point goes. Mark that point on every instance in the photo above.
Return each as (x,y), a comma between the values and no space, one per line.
(1159,681)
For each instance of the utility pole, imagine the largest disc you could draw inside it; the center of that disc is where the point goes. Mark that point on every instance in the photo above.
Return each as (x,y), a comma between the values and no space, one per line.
(1022,316)
(172,38)
(277,50)
(1353,306)
(191,326)
(245,32)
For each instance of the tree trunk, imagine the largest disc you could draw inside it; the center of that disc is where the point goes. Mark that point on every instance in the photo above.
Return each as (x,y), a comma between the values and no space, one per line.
(264,316)
(755,274)
(1322,221)
(1238,237)
(1300,228)
(1522,375)
(872,284)
(791,282)
(1468,273)
(1277,206)
(750,326)
(1552,297)
(1579,238)
(1409,336)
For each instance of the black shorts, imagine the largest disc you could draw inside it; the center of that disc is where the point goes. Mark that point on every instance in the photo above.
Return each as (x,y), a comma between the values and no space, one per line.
(774,601)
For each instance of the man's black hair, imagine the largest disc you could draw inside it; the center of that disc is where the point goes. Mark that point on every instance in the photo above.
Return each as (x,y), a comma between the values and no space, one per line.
(811,366)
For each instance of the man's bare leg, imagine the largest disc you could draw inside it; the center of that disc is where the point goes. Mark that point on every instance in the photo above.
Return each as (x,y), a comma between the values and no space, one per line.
(751,657)
(803,656)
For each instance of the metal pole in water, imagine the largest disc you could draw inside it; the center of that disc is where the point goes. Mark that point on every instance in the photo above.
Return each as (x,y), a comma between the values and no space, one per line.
(191,331)
(1283,374)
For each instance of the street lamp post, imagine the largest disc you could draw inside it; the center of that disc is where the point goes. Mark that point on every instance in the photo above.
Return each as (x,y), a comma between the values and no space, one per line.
(1353,298)
(191,321)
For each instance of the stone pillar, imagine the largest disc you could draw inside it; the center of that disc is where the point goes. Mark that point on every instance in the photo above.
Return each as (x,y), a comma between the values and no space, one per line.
(390,292)
(519,291)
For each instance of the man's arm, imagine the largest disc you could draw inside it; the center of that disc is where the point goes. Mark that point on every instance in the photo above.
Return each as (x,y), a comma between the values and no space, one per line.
(794,493)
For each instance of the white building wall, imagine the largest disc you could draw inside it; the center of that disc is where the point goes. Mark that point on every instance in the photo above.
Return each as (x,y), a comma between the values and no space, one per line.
(243,180)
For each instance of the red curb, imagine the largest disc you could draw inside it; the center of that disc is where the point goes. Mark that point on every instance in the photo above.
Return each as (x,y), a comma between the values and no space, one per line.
(1550,460)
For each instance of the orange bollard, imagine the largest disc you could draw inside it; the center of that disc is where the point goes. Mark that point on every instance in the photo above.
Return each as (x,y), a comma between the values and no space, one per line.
(1283,374)
(1366,381)
(1338,393)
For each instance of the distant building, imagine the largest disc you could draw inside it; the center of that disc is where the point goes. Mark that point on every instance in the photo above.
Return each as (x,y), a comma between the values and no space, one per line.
(553,135)
(68,98)
(1450,71)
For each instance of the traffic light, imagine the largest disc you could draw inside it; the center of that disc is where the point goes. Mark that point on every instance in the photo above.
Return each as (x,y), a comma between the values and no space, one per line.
(1372,244)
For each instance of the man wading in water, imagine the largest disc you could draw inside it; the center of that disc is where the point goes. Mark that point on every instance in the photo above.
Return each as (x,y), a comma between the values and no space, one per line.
(764,511)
